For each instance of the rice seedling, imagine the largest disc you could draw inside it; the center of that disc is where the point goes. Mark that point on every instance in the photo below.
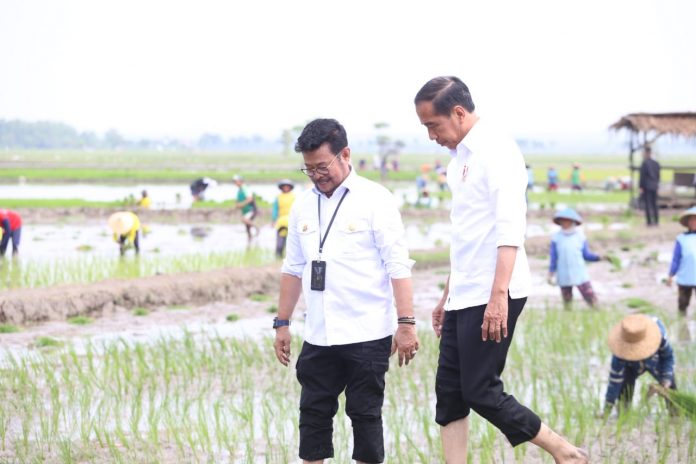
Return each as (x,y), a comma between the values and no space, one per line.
(259,297)
(47,342)
(86,269)
(8,328)
(80,320)
(201,397)
(615,262)
(638,303)
(232,317)
(272,309)
(140,312)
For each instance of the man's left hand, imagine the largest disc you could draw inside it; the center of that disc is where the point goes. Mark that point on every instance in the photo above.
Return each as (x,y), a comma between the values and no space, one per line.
(495,318)
(406,343)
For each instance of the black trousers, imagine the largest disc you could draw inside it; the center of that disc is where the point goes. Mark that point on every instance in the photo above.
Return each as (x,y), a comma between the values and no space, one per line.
(651,215)
(468,375)
(326,371)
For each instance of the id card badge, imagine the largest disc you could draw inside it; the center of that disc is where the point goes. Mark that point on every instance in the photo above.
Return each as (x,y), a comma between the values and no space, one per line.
(318,280)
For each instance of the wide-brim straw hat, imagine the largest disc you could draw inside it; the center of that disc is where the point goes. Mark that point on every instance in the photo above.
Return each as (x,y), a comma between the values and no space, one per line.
(568,213)
(684,218)
(635,338)
(121,223)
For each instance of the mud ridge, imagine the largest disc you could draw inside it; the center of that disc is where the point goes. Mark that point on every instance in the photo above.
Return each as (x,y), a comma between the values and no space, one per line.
(26,306)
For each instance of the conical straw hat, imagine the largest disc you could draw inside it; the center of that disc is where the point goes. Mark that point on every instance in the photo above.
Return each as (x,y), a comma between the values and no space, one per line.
(121,223)
(635,338)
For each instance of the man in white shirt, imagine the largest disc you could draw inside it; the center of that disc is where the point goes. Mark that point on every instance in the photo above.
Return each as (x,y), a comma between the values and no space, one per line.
(347,253)
(489,278)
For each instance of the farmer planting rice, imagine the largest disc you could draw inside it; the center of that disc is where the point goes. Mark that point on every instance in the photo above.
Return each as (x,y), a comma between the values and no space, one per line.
(11,224)
(126,229)
(639,344)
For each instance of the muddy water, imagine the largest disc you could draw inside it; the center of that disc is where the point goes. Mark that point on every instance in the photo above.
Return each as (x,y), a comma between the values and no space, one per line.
(44,242)
(49,242)
(168,196)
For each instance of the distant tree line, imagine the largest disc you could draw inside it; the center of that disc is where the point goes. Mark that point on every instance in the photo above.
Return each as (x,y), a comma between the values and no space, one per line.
(17,134)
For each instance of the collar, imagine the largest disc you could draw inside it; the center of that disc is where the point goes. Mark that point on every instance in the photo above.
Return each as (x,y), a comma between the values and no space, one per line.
(348,183)
(471,141)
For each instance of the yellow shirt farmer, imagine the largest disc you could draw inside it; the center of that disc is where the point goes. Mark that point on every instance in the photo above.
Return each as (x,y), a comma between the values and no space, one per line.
(281,213)
(126,229)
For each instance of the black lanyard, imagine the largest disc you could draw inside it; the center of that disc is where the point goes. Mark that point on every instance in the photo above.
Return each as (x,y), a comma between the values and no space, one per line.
(321,241)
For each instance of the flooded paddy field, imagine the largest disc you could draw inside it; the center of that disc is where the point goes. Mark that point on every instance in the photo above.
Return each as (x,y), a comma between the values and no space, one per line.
(200,383)
(178,366)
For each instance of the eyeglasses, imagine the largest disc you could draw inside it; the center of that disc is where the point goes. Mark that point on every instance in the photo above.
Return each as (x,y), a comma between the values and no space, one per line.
(311,172)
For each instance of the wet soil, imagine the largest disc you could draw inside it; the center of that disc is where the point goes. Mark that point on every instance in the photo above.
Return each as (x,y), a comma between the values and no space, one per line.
(213,295)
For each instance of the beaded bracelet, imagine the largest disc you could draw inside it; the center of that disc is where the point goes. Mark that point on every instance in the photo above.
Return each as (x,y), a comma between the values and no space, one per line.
(406,320)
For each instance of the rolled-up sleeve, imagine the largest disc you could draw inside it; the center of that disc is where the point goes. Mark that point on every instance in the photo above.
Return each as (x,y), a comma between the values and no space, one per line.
(294,262)
(390,238)
(507,185)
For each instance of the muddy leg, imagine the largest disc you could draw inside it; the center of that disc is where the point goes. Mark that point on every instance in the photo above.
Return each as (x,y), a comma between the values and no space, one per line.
(567,296)
(588,293)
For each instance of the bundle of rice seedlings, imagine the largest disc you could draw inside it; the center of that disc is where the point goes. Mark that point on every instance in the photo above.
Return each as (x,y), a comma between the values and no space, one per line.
(615,262)
(683,401)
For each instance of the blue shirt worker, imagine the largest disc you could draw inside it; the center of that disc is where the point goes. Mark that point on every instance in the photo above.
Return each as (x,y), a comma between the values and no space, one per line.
(347,254)
(639,344)
(569,251)
(684,260)
(552,179)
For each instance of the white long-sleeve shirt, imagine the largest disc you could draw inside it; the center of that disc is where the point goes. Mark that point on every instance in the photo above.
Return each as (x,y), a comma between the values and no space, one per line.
(365,249)
(488,179)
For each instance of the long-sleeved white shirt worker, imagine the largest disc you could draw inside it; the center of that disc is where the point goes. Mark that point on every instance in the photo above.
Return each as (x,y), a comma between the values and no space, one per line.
(488,179)
(365,249)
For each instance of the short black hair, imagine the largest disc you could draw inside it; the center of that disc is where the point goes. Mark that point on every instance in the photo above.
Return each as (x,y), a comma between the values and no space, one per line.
(319,132)
(445,92)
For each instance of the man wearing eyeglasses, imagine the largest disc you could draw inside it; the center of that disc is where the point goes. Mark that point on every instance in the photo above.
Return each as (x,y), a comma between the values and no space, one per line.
(347,253)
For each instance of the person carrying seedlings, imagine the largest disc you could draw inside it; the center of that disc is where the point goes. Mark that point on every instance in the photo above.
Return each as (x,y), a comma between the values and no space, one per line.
(199,186)
(684,260)
(247,203)
(281,213)
(11,224)
(569,251)
(638,344)
(126,228)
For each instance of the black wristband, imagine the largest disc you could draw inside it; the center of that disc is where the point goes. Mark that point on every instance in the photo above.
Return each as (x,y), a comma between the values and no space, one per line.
(280,323)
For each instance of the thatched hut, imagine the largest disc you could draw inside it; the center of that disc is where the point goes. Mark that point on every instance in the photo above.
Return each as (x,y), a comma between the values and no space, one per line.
(645,128)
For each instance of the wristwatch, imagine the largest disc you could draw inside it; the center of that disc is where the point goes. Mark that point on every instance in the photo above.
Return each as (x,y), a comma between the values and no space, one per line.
(280,323)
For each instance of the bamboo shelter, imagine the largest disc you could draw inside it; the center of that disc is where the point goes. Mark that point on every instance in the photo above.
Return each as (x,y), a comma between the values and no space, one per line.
(645,128)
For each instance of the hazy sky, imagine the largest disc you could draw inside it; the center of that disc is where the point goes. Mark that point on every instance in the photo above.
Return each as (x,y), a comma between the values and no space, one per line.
(158,68)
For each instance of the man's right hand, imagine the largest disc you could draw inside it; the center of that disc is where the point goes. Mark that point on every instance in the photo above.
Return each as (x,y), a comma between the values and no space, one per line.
(438,318)
(282,345)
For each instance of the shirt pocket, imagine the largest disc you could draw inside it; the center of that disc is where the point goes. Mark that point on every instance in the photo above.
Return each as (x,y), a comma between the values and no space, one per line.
(355,235)
(307,231)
